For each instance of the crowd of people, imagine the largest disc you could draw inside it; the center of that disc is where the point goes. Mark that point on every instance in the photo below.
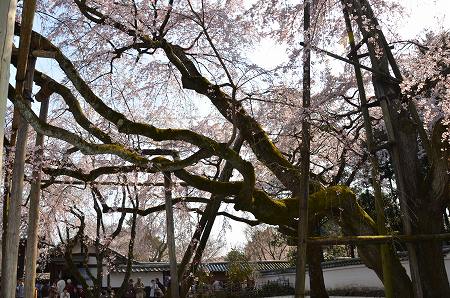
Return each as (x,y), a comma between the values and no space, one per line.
(59,289)
(138,290)
(67,289)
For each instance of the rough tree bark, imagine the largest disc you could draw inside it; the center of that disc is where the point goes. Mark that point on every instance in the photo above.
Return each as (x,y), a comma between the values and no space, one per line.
(423,191)
(315,256)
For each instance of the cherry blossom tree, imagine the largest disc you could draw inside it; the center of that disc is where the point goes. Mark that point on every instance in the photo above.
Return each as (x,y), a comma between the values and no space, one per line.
(133,71)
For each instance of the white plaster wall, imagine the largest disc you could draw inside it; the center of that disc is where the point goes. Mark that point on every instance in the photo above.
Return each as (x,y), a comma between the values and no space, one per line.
(355,276)
(117,278)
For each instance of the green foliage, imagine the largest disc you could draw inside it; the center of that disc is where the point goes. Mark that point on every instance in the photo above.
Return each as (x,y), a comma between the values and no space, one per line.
(391,208)
(239,267)
(275,289)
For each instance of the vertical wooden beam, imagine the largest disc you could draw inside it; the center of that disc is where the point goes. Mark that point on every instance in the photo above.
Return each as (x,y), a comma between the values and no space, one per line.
(33,213)
(15,206)
(376,180)
(7,18)
(174,287)
(24,85)
(305,156)
(401,172)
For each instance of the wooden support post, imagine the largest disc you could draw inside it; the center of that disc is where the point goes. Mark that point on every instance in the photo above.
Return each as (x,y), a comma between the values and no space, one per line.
(305,156)
(376,180)
(7,18)
(24,85)
(381,91)
(15,206)
(377,239)
(174,286)
(33,213)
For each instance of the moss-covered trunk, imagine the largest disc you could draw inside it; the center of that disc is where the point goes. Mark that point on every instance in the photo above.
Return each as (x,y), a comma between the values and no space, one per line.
(433,276)
(316,281)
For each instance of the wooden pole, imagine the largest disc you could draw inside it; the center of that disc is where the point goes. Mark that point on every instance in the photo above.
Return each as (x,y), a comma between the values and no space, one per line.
(33,213)
(14,211)
(376,181)
(174,287)
(401,172)
(305,156)
(7,18)
(377,239)
(24,85)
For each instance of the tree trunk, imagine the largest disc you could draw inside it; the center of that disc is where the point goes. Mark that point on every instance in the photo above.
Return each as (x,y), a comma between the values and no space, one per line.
(316,281)
(433,276)
(404,128)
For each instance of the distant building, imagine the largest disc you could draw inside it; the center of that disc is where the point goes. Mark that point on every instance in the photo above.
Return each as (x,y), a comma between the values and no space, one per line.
(348,273)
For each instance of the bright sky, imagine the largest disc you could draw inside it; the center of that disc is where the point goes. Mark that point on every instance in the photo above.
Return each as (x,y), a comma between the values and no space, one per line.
(420,16)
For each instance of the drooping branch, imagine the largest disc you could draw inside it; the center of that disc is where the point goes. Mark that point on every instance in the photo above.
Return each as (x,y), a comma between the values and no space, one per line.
(247,221)
(126,126)
(258,139)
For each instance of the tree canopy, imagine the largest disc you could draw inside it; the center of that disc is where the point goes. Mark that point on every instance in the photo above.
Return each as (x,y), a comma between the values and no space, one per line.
(138,89)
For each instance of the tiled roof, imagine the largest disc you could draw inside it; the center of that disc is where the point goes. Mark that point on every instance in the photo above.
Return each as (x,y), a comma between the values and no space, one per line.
(261,266)
(143,267)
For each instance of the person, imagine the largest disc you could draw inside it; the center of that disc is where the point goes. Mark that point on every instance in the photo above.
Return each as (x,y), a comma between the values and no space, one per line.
(110,292)
(53,291)
(216,286)
(152,288)
(70,288)
(65,294)
(158,292)
(38,289)
(167,282)
(20,289)
(130,292)
(139,288)
(45,290)
(60,286)
(80,291)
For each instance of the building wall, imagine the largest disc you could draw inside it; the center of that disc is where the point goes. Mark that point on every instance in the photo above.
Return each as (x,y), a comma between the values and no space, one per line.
(117,278)
(354,276)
